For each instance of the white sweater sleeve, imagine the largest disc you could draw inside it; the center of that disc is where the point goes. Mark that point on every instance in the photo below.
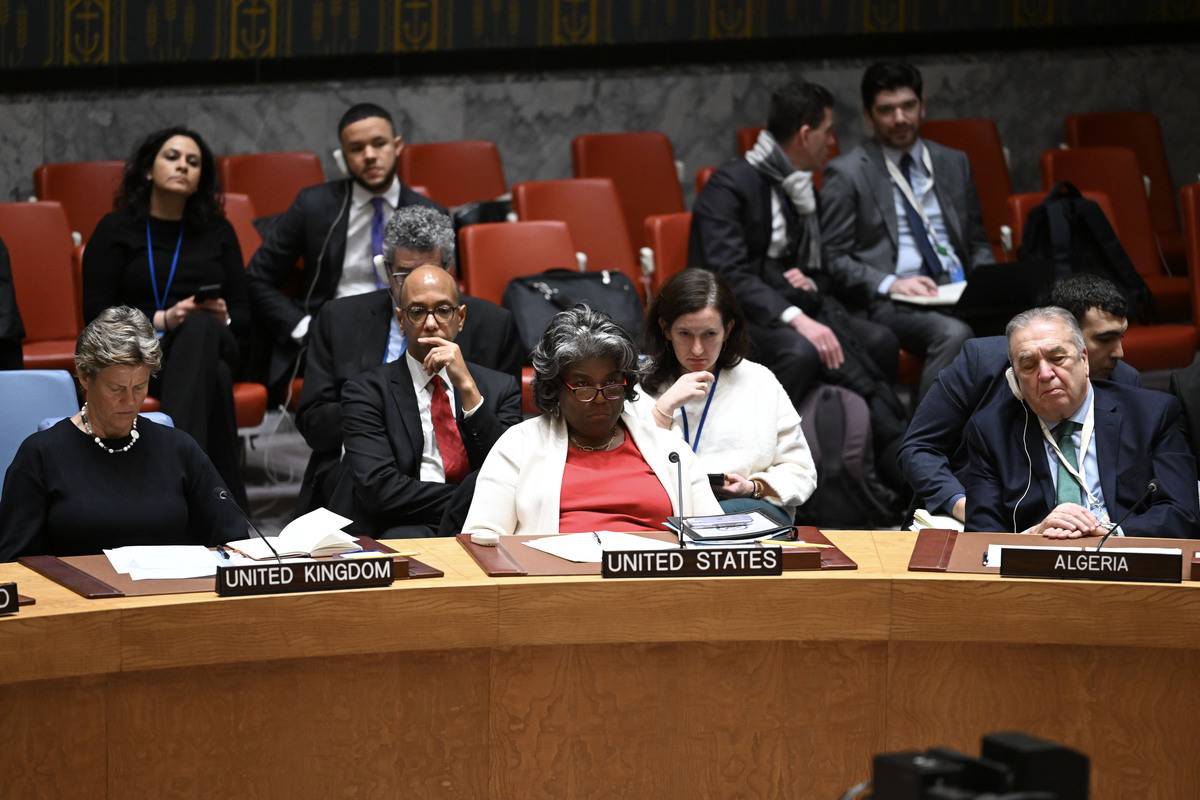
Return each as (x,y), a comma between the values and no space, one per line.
(792,474)
(494,506)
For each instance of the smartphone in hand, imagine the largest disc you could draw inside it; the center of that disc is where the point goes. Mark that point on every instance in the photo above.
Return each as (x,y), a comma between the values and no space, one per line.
(209,291)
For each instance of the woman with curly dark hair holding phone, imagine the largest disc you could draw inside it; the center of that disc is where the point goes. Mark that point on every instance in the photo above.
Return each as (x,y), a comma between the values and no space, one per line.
(168,250)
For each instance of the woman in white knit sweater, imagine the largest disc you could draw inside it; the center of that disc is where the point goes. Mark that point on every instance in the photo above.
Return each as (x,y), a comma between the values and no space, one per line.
(733,413)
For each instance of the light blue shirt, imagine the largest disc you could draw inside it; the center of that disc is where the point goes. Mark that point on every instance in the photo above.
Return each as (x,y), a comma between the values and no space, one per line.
(396,344)
(1090,462)
(908,257)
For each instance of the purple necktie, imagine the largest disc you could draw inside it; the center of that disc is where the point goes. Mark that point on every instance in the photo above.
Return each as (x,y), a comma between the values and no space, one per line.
(377,236)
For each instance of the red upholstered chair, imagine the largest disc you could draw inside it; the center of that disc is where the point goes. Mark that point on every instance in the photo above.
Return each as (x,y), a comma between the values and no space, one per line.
(979,138)
(1140,132)
(593,215)
(39,245)
(250,404)
(702,177)
(85,189)
(270,180)
(1189,197)
(454,173)
(1019,206)
(746,137)
(641,167)
(1147,347)
(1114,171)
(908,371)
(492,254)
(240,213)
(668,237)
(528,406)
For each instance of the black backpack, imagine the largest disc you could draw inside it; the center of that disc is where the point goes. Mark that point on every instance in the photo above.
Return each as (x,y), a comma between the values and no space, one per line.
(534,299)
(849,495)
(1070,234)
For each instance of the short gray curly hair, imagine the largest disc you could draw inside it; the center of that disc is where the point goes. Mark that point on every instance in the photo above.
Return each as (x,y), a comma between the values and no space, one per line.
(574,335)
(118,336)
(420,229)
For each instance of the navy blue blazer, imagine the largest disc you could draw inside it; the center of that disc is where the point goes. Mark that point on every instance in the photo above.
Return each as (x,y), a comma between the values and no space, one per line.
(1138,437)
(933,456)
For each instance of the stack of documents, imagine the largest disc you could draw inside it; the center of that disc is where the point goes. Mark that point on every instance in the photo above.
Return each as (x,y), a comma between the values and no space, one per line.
(922,519)
(317,534)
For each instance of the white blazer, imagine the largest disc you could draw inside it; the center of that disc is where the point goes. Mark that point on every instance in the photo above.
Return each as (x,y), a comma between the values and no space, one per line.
(518,487)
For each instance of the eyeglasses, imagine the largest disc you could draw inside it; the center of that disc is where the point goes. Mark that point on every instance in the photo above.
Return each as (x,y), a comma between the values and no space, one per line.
(418,314)
(586,394)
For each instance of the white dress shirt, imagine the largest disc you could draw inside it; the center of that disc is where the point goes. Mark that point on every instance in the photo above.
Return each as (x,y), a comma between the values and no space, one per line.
(1089,463)
(358,268)
(908,257)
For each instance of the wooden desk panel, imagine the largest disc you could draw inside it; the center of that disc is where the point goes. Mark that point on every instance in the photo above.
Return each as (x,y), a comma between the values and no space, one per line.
(391,725)
(309,625)
(758,719)
(54,743)
(578,687)
(1132,711)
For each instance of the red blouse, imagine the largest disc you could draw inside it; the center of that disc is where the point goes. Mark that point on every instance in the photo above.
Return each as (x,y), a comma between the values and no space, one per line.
(611,490)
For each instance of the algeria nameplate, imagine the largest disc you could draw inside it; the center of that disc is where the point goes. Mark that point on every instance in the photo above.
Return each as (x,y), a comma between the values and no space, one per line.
(305,576)
(1089,565)
(739,562)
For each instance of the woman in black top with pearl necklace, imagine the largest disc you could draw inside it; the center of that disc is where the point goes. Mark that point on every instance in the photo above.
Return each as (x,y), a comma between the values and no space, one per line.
(167,238)
(104,478)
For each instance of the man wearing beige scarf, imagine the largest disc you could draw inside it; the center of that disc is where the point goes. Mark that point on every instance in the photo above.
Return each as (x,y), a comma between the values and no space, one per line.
(756,224)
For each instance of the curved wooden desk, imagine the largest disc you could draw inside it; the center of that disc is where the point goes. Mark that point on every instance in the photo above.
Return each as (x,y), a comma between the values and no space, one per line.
(569,687)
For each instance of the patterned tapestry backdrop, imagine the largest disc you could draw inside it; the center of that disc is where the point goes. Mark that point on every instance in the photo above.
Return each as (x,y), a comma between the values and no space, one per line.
(58,33)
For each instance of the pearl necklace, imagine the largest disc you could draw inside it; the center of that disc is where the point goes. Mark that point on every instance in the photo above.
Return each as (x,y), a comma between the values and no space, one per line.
(589,449)
(87,428)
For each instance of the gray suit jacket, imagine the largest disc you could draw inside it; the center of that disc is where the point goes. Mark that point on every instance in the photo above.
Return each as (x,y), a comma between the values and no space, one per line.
(858,217)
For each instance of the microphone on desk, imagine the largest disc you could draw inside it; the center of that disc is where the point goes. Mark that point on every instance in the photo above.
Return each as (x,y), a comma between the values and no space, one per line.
(673,457)
(1151,489)
(223,495)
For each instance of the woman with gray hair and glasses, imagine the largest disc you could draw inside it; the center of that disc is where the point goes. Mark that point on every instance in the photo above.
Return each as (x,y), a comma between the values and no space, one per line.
(103,478)
(587,463)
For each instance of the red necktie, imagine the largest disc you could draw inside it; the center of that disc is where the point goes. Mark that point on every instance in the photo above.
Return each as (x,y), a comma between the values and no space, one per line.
(445,429)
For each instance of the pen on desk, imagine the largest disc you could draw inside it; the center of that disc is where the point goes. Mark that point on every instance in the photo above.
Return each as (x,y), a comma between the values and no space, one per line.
(598,540)
(221,551)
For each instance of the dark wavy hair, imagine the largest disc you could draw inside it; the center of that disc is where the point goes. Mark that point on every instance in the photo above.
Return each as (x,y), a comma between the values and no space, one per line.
(690,291)
(887,76)
(204,206)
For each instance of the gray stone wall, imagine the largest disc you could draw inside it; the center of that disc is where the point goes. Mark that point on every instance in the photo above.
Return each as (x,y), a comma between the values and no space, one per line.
(532,117)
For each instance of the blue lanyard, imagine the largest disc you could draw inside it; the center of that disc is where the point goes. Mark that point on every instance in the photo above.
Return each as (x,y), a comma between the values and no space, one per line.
(160,303)
(703,414)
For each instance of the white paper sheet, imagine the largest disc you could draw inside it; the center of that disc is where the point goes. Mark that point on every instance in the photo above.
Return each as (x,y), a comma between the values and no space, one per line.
(582,548)
(172,562)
